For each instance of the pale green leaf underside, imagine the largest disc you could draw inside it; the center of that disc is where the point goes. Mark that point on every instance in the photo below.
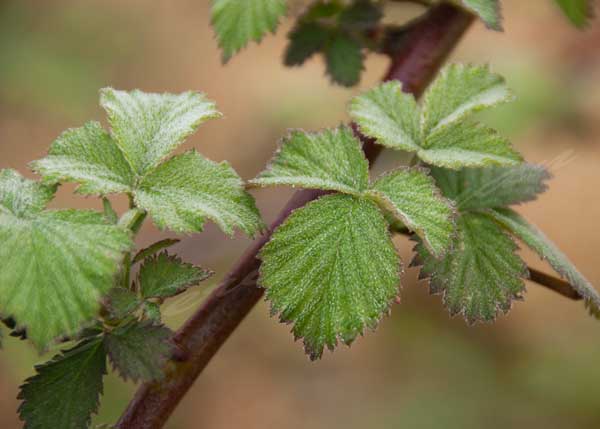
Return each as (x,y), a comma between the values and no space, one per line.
(389,115)
(537,241)
(331,160)
(464,144)
(487,10)
(138,350)
(65,391)
(54,265)
(89,156)
(459,91)
(238,22)
(184,190)
(481,275)
(412,197)
(332,270)
(164,276)
(480,188)
(579,12)
(148,127)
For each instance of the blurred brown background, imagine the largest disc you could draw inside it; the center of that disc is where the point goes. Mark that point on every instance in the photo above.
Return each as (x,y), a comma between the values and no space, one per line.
(537,367)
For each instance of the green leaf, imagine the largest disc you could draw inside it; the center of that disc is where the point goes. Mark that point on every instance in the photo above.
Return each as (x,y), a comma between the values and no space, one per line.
(148,127)
(389,115)
(184,190)
(65,391)
(481,275)
(488,11)
(54,265)
(332,270)
(238,22)
(412,197)
(331,160)
(344,58)
(163,276)
(465,144)
(109,213)
(459,91)
(154,249)
(306,39)
(89,156)
(138,350)
(360,15)
(121,302)
(579,12)
(537,241)
(480,188)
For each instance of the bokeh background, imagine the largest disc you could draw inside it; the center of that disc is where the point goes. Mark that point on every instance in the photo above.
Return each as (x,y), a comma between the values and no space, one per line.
(537,367)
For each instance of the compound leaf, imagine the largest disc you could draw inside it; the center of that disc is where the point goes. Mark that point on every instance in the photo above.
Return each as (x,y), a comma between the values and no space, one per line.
(138,350)
(464,144)
(65,391)
(89,156)
(238,22)
(332,270)
(344,59)
(163,276)
(461,90)
(389,115)
(547,250)
(306,39)
(54,265)
(148,127)
(481,275)
(184,190)
(480,188)
(331,160)
(579,12)
(487,10)
(412,197)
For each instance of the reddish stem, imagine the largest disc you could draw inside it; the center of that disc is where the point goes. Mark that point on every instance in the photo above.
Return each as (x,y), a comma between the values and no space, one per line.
(424,48)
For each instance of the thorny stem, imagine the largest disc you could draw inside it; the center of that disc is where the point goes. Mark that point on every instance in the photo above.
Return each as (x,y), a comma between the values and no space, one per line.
(425,46)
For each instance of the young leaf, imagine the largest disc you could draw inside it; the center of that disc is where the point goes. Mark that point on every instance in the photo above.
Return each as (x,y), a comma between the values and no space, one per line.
(148,127)
(54,265)
(184,190)
(411,196)
(89,156)
(579,12)
(481,275)
(360,15)
(488,11)
(331,160)
(389,115)
(465,144)
(459,91)
(306,39)
(332,270)
(121,302)
(344,60)
(238,22)
(164,276)
(138,350)
(154,249)
(480,188)
(65,391)
(537,241)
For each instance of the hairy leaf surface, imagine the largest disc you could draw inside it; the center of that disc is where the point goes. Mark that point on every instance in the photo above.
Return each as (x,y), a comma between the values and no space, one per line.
(480,188)
(487,10)
(332,270)
(411,195)
(186,189)
(66,390)
(481,275)
(344,59)
(163,276)
(330,160)
(547,250)
(148,127)
(239,22)
(54,265)
(138,350)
